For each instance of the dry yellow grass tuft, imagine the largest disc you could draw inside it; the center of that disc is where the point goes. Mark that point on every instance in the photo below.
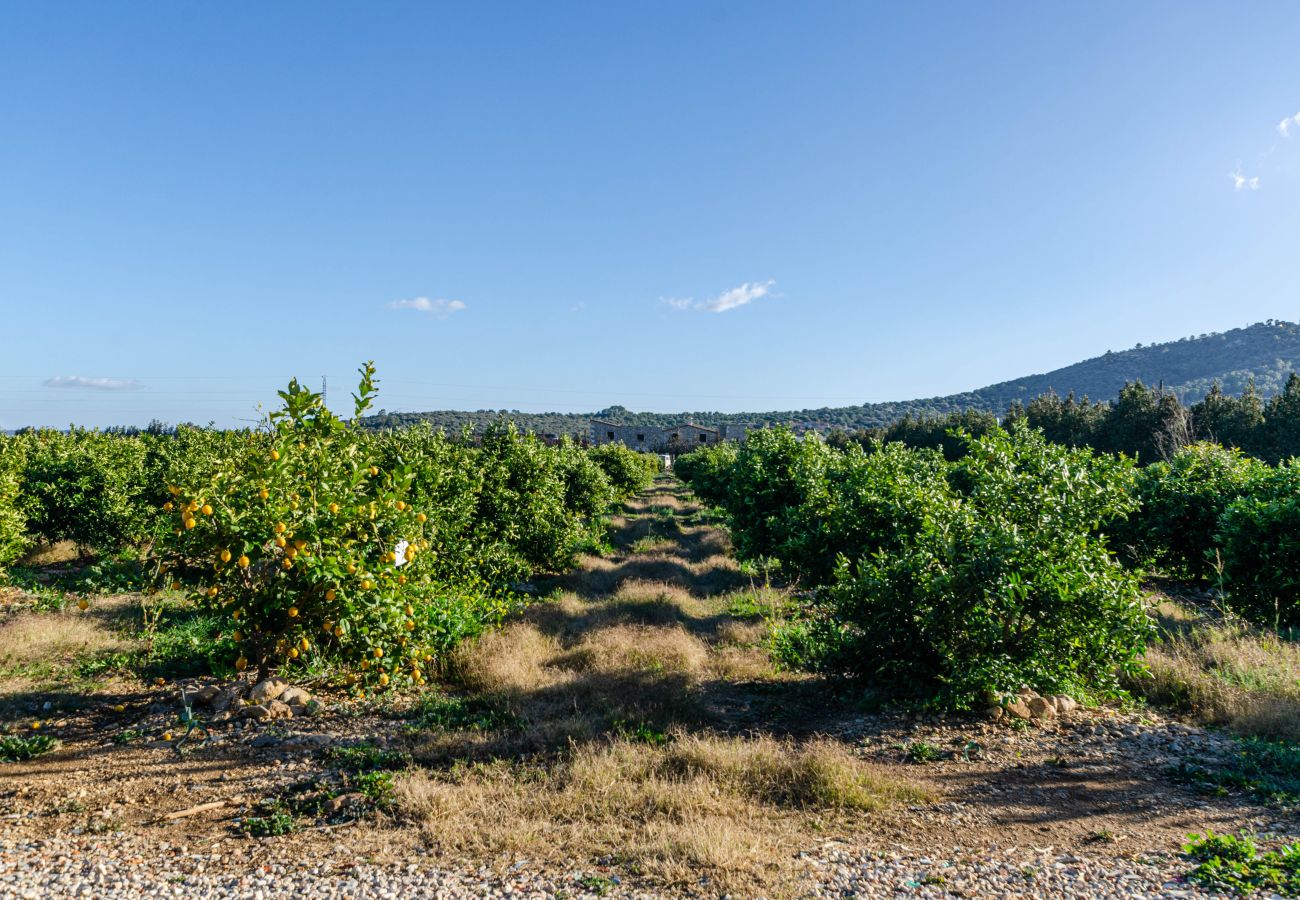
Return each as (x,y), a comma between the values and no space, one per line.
(622,649)
(1224,674)
(734,809)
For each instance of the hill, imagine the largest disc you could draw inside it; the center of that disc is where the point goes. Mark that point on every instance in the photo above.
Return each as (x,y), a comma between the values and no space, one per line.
(1267,352)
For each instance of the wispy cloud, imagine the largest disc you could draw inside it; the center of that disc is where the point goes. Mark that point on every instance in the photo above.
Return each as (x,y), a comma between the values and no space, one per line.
(1284,127)
(441,307)
(98,384)
(1243,183)
(726,301)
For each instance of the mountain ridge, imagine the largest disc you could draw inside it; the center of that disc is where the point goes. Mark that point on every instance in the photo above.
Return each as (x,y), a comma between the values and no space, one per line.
(1265,353)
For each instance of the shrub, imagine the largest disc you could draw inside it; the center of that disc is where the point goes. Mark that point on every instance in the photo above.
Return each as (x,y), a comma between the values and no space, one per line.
(708,471)
(86,487)
(1181,502)
(310,549)
(1260,539)
(629,471)
(13,524)
(998,580)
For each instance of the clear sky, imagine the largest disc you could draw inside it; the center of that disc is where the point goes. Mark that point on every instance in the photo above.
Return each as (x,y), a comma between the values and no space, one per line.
(564,206)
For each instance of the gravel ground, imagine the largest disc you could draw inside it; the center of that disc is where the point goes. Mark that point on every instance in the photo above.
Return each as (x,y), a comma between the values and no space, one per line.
(113,868)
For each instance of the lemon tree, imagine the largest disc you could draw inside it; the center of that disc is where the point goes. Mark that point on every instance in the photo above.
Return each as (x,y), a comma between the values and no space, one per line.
(310,549)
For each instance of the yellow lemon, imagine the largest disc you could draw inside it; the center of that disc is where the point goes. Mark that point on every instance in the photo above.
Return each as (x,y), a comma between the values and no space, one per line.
(225,556)
(401,505)
(243,562)
(280,541)
(213,591)
(293,653)
(383,679)
(293,612)
(167,735)
(410,610)
(83,605)
(365,584)
(338,631)
(235,615)
(241,664)
(280,527)
(275,455)
(410,626)
(36,724)
(379,652)
(119,708)
(167,507)
(333,507)
(287,564)
(206,510)
(352,568)
(291,552)
(263,493)
(365,665)
(374,470)
(303,645)
(189,523)
(422,518)
(238,636)
(330,595)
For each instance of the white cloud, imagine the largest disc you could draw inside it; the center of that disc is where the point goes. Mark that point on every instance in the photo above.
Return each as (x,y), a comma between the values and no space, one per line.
(1284,127)
(441,307)
(726,301)
(1242,183)
(99,384)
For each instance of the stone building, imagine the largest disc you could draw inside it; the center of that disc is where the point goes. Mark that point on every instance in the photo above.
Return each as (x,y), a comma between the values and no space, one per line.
(676,439)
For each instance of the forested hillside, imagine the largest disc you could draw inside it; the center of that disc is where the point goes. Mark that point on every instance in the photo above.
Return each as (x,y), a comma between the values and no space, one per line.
(1267,352)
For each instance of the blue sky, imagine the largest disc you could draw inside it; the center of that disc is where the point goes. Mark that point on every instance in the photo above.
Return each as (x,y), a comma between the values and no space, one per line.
(665,205)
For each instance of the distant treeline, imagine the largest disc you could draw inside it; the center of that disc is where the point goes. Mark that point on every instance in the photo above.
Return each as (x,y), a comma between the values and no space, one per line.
(1148,423)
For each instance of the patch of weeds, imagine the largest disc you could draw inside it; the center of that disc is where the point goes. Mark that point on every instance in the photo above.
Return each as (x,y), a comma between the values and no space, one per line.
(366,757)
(127,735)
(439,711)
(378,786)
(102,825)
(107,662)
(596,884)
(18,747)
(921,752)
(1059,762)
(642,733)
(1230,862)
(934,878)
(1269,771)
(972,750)
(186,643)
(1102,836)
(273,819)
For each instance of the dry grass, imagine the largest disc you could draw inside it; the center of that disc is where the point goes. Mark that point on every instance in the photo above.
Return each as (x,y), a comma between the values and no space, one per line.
(733,809)
(1224,674)
(54,638)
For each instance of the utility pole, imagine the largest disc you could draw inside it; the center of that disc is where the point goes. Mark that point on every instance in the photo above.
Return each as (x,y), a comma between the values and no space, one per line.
(324,392)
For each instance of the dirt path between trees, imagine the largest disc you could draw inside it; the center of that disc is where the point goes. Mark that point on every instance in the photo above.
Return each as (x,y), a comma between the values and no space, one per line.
(627,735)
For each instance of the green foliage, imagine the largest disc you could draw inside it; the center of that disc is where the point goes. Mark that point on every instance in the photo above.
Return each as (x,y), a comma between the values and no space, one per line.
(708,471)
(955,580)
(17,747)
(629,471)
(86,487)
(1259,537)
(367,757)
(439,711)
(13,524)
(1181,502)
(274,819)
(1228,862)
(1269,771)
(378,786)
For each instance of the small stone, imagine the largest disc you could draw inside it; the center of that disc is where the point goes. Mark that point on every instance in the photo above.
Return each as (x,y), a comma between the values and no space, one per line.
(1017,709)
(993,713)
(258,712)
(268,689)
(294,696)
(1041,708)
(1064,704)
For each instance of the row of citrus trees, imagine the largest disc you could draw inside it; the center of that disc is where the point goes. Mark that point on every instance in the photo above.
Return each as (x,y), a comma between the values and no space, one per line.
(313,540)
(967,580)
